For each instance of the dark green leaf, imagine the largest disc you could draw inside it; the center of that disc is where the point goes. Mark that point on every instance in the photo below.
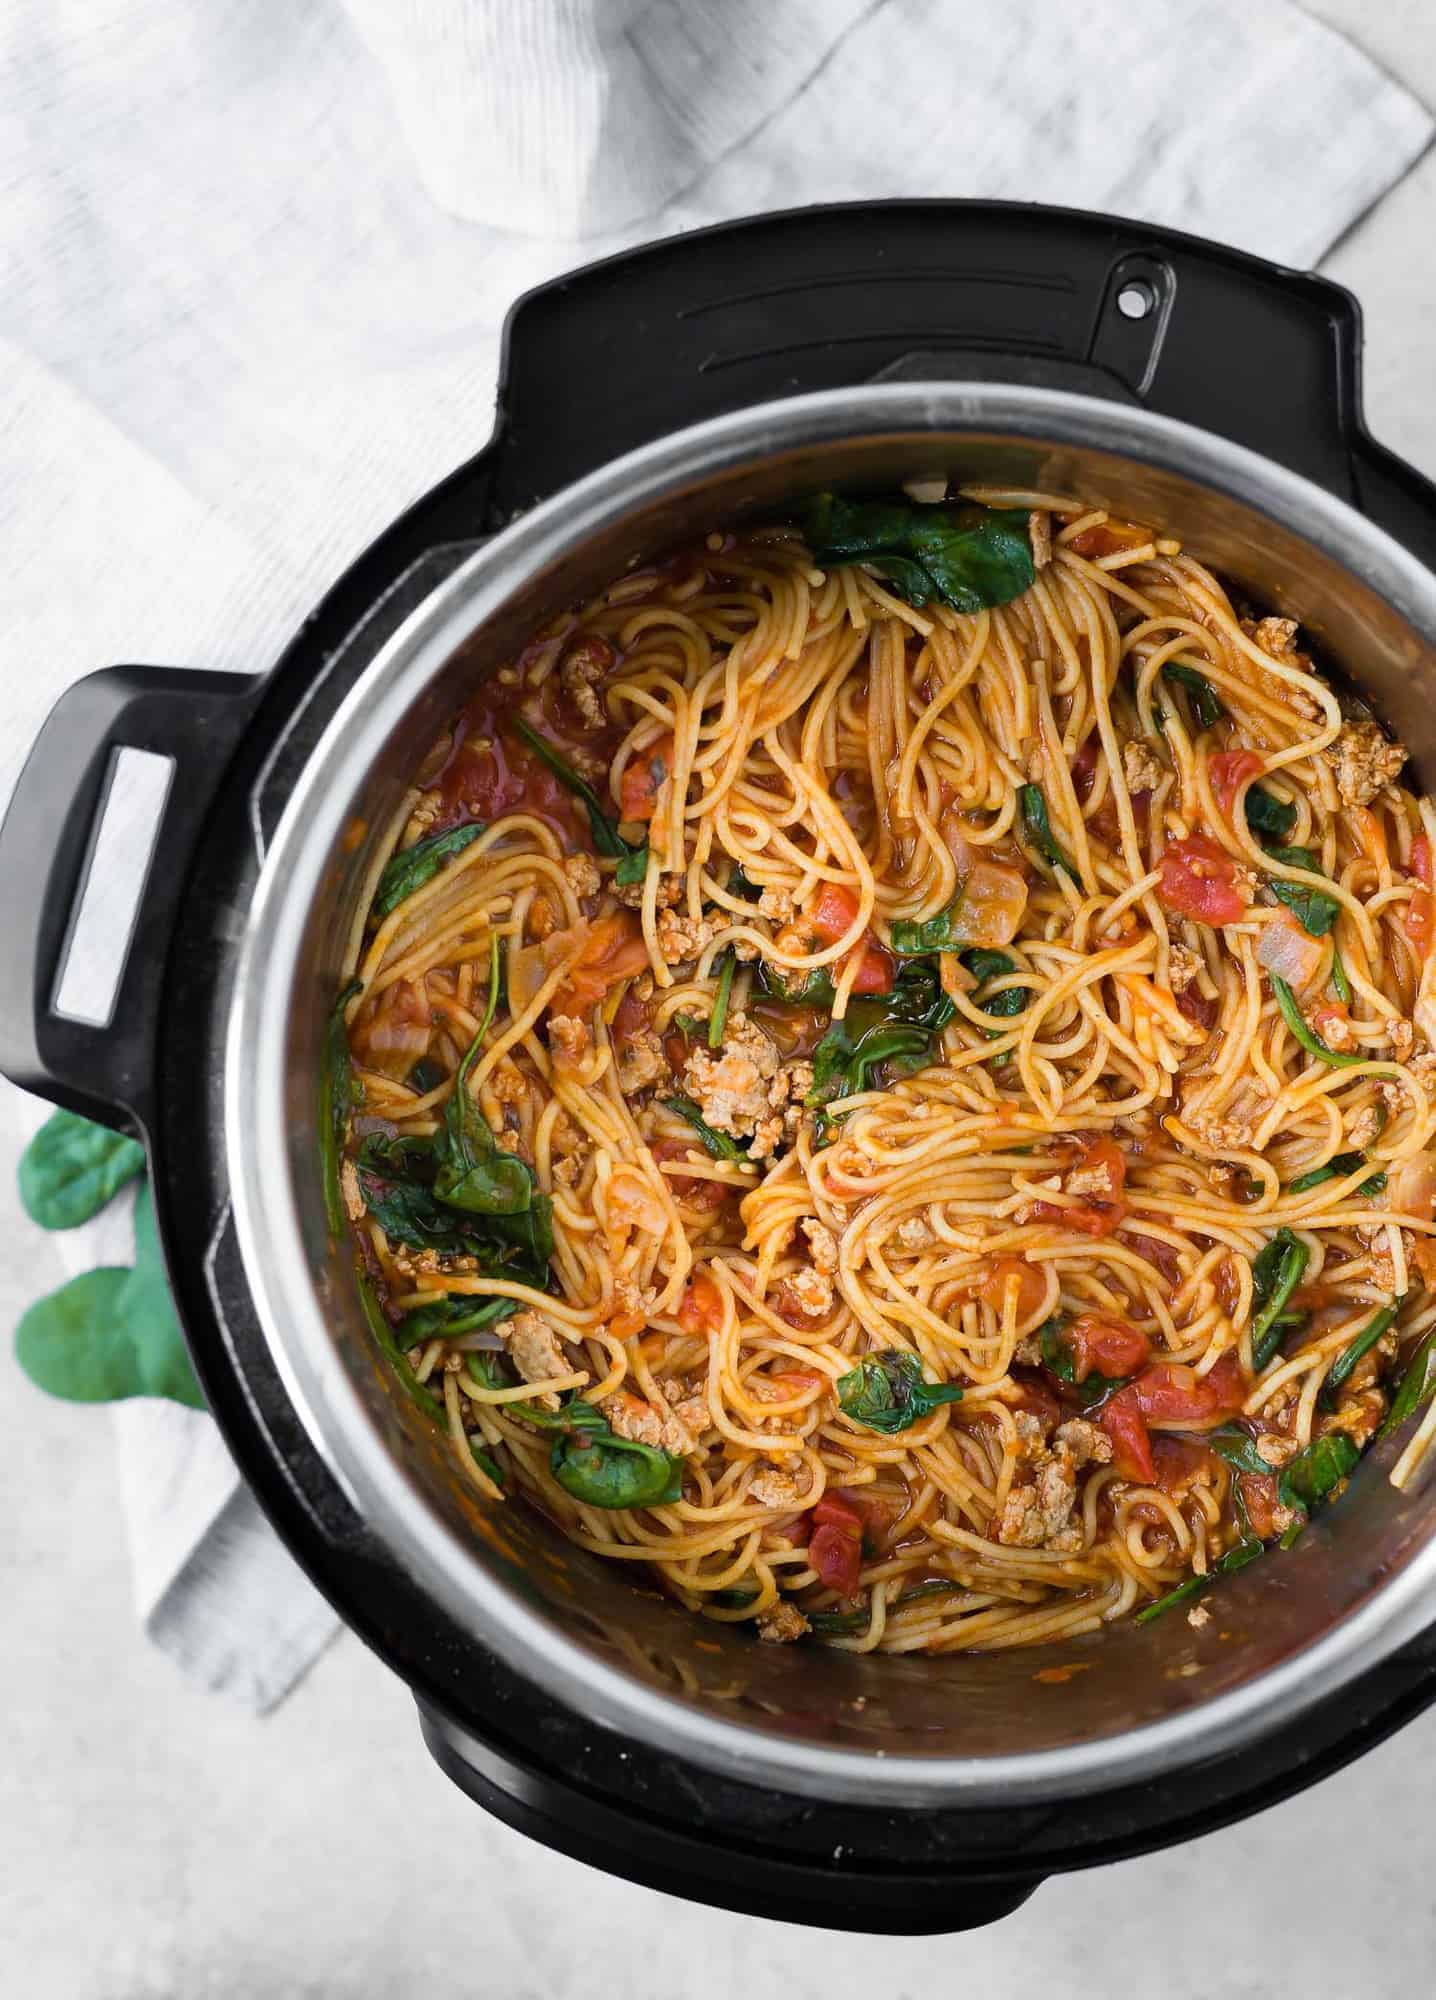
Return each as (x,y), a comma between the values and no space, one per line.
(1336,1169)
(1418,1385)
(455,1313)
(419,864)
(1206,703)
(967,557)
(805,989)
(616,1472)
(1057,1356)
(1316,1472)
(914,940)
(1339,979)
(419,1394)
(1345,1363)
(1235,1558)
(1267,816)
(473,1172)
(1315,911)
(1276,1272)
(719,1144)
(112,1333)
(486,1462)
(739,885)
(1307,1037)
(718,1019)
(1237,1447)
(426,1075)
(71,1168)
(336,1101)
(985,964)
(632,865)
(1037,829)
(606,836)
(842,1067)
(396,1180)
(886,1392)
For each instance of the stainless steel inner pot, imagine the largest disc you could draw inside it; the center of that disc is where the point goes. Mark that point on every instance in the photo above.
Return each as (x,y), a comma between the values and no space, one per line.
(871,1730)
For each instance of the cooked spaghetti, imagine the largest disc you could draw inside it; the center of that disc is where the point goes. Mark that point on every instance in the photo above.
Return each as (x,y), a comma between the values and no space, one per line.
(893,1073)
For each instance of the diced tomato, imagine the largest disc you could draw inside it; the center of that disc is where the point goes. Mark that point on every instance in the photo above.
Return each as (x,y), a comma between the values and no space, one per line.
(643,778)
(1200,880)
(831,917)
(1172,1393)
(1106,1347)
(694,1191)
(1094,1215)
(1156,1252)
(1226,1286)
(1229,771)
(1122,1419)
(701,1308)
(1422,1253)
(624,1325)
(834,913)
(1421,860)
(1260,1498)
(1178,1463)
(796,1381)
(835,1548)
(633,1014)
(1108,537)
(1331,1012)
(875,969)
(1005,1271)
(613,950)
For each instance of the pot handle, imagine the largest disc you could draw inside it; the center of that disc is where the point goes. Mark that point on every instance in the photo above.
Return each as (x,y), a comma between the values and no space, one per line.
(624,351)
(110,799)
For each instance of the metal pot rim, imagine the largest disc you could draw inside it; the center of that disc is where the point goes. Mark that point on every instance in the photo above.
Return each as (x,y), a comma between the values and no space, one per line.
(264,1201)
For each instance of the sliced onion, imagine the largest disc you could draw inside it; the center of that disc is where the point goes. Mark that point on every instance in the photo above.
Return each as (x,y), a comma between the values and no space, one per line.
(483,1340)
(1424,1012)
(395,1035)
(992,906)
(1411,1188)
(630,1202)
(1285,949)
(523,974)
(365,1127)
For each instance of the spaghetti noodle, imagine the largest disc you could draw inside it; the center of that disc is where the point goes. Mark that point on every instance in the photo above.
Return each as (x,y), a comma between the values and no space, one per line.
(903,1099)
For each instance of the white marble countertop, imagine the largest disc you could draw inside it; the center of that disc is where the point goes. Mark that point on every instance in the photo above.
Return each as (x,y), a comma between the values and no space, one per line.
(155,1842)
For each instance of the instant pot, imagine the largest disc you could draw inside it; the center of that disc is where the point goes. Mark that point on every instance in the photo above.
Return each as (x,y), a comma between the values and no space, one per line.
(703,380)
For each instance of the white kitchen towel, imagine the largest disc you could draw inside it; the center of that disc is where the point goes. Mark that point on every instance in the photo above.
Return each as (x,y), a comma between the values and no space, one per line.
(254,262)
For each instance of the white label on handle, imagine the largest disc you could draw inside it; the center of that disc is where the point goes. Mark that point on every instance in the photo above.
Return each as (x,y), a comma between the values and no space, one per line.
(121,849)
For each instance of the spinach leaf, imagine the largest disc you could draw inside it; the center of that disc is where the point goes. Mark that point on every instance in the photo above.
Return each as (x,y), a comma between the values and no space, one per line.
(473,1171)
(111,1333)
(718,1019)
(886,1392)
(1268,818)
(426,1075)
(807,989)
(1339,979)
(396,1179)
(739,885)
(1418,1386)
(1316,1472)
(1237,1447)
(1006,1005)
(606,836)
(718,1144)
(1315,911)
(1236,1558)
(913,940)
(1307,1037)
(1037,828)
(612,1471)
(1277,1270)
(1057,1356)
(336,1101)
(1344,1365)
(455,1313)
(829,1622)
(1206,703)
(842,1067)
(632,865)
(967,557)
(1337,1168)
(416,865)
(71,1168)
(588,1460)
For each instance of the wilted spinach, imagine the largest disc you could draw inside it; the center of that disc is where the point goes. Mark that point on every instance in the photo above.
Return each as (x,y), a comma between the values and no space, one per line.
(967,557)
(410,870)
(71,1168)
(632,861)
(886,1392)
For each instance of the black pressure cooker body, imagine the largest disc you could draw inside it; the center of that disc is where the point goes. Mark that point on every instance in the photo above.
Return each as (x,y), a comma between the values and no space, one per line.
(594,365)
